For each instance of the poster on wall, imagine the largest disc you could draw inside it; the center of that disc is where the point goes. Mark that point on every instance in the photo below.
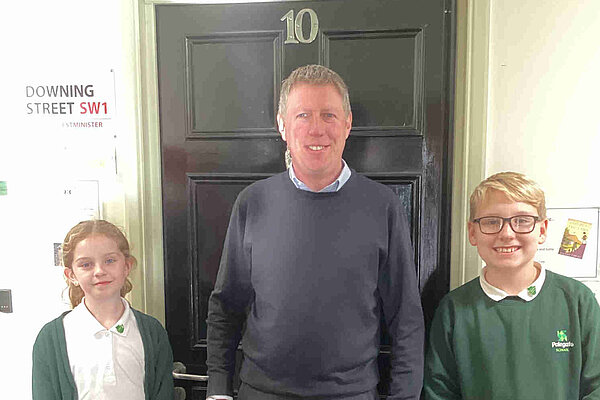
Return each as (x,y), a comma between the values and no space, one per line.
(75,110)
(571,246)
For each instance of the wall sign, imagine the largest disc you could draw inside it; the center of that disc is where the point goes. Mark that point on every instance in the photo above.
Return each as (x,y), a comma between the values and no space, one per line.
(76,110)
(82,100)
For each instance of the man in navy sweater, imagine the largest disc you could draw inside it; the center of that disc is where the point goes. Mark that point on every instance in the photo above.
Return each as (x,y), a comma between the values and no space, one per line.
(313,258)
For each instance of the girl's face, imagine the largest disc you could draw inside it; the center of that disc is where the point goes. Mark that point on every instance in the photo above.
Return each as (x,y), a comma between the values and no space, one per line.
(99,267)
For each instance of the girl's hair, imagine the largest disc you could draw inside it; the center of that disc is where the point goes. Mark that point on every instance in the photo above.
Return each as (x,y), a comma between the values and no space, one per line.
(82,231)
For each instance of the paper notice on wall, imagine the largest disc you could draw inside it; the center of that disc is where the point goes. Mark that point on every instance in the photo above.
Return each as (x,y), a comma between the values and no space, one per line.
(80,200)
(571,246)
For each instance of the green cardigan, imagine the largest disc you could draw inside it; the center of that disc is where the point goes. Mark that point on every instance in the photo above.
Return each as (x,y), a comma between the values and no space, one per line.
(52,378)
(546,348)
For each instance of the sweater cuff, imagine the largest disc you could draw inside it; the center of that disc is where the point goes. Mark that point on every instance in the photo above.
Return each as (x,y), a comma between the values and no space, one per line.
(219,384)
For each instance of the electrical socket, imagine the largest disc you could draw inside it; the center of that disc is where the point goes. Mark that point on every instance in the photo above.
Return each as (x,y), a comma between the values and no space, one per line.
(5,301)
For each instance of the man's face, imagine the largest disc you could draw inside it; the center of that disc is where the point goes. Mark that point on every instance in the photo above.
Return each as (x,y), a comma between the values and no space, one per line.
(315,128)
(506,249)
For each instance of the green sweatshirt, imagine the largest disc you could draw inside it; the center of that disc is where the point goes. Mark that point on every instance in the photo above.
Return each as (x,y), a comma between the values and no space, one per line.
(52,378)
(547,348)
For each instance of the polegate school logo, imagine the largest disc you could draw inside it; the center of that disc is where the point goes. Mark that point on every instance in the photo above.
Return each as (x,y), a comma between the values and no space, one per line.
(563,343)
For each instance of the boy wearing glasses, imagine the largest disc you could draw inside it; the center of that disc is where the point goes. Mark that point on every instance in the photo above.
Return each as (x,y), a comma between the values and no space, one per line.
(518,331)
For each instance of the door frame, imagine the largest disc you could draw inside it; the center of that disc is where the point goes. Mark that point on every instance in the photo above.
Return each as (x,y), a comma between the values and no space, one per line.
(468,169)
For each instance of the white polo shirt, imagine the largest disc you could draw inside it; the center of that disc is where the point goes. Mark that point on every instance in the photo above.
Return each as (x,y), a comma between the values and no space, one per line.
(527,294)
(107,364)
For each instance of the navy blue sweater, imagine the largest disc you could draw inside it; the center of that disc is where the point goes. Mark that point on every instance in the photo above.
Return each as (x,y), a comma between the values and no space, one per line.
(305,276)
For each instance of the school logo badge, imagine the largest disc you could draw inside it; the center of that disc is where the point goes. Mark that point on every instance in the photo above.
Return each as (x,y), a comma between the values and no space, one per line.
(563,343)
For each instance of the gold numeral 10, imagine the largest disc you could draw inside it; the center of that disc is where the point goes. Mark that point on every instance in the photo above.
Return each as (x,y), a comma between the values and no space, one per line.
(294,27)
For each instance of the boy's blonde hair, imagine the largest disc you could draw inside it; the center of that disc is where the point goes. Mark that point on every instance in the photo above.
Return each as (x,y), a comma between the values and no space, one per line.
(515,186)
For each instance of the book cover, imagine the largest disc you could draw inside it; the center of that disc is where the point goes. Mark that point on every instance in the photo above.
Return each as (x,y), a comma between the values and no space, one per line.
(574,238)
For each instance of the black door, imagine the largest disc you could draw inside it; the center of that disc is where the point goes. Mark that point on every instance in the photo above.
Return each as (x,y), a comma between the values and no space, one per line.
(220,68)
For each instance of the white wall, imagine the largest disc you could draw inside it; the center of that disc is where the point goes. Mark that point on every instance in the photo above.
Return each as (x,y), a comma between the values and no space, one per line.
(544,88)
(52,42)
(543,109)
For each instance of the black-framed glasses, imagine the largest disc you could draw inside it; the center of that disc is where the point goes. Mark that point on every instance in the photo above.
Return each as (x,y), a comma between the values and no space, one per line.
(518,223)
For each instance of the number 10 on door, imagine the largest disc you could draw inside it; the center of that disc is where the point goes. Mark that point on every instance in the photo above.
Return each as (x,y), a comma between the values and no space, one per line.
(294,26)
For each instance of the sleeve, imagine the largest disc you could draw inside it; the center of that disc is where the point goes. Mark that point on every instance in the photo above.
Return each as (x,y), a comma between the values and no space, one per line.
(590,375)
(402,310)
(45,383)
(228,305)
(441,378)
(163,370)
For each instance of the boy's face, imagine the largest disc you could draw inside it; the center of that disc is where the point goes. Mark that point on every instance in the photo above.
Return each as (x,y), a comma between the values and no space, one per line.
(506,249)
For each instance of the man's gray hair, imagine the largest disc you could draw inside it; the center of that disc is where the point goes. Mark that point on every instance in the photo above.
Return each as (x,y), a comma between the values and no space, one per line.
(315,75)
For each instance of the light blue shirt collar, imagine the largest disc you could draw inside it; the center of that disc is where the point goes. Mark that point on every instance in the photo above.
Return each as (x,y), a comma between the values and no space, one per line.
(332,187)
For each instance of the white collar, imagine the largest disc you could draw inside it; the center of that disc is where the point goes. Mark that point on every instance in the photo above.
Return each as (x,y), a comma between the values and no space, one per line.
(527,294)
(88,324)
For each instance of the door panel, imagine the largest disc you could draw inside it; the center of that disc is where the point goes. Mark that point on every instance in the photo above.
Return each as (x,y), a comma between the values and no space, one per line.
(220,71)
(389,100)
(251,97)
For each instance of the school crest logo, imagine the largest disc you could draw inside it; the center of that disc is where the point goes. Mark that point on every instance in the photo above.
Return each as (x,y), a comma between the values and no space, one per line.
(563,343)
(562,335)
